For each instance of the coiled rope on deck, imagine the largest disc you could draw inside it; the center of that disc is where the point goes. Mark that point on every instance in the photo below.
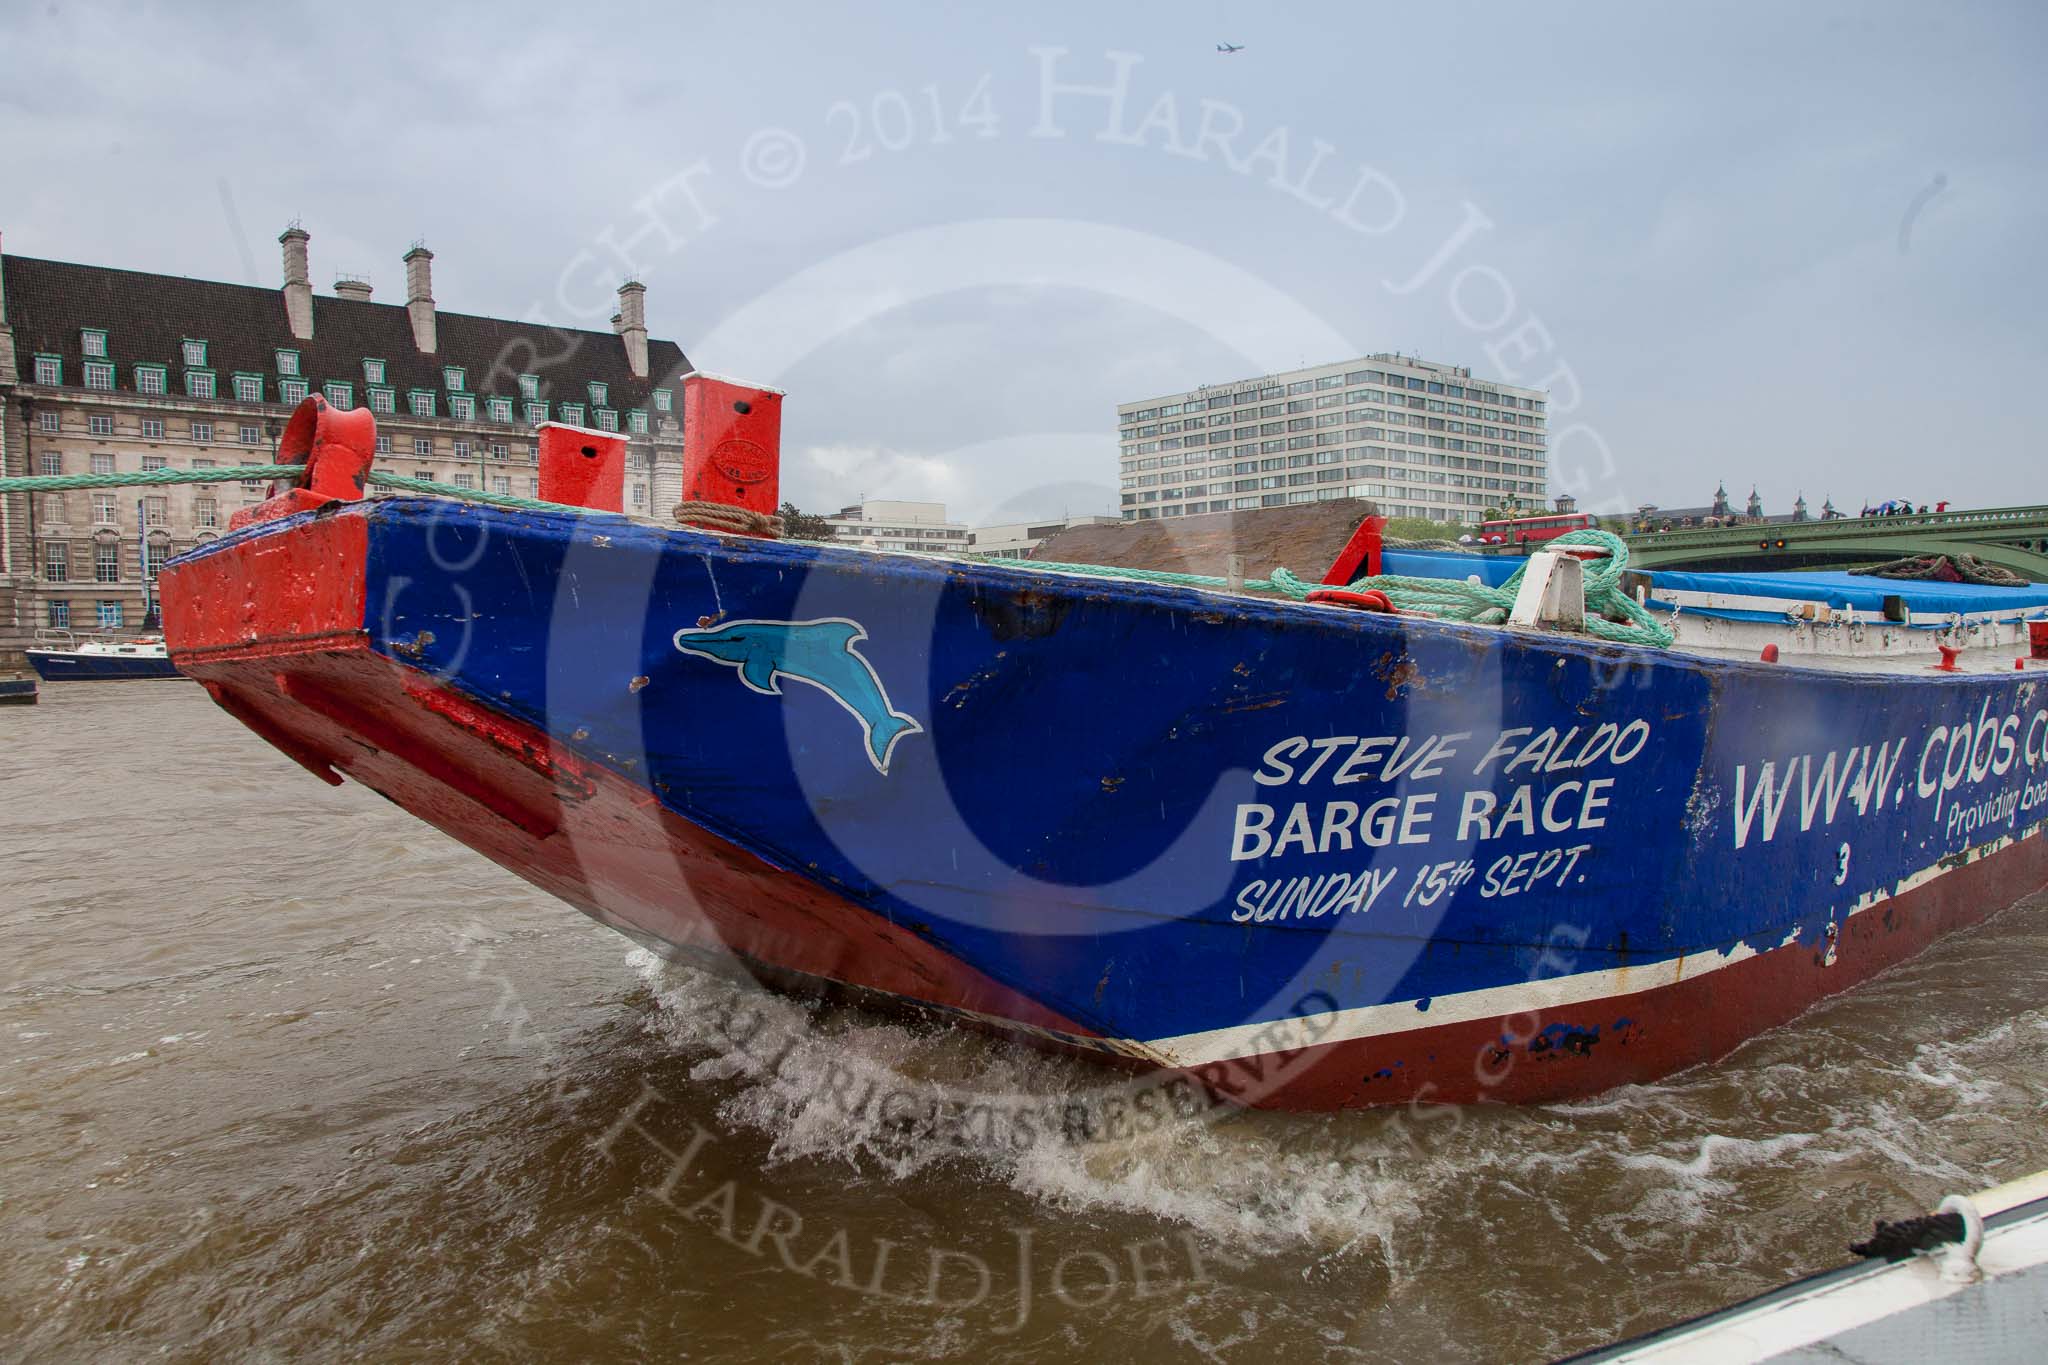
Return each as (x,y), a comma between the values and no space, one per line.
(1946,569)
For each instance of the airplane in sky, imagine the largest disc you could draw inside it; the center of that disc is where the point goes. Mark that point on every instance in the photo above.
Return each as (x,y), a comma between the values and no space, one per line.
(1230,47)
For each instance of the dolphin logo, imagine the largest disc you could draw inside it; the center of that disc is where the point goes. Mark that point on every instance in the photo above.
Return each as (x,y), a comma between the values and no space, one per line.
(820,653)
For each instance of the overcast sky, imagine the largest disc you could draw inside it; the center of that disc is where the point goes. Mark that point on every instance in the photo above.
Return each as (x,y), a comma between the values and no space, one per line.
(1795,246)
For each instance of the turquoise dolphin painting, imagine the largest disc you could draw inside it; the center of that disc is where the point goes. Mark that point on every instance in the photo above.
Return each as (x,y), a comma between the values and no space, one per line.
(820,653)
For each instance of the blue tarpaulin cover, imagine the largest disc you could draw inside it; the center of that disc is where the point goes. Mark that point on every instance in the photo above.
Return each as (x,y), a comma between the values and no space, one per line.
(1860,591)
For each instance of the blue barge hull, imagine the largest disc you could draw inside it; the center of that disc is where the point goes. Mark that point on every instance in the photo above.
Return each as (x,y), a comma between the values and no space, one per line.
(1310,857)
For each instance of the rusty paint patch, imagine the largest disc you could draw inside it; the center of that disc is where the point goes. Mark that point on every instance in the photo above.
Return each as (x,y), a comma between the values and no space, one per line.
(415,647)
(1397,672)
(638,683)
(707,622)
(1027,614)
(1110,784)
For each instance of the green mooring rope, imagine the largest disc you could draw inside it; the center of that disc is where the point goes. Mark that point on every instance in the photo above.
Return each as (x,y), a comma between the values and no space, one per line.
(58,483)
(1611,613)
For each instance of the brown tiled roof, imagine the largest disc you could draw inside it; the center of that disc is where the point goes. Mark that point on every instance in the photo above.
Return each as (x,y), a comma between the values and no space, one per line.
(147,317)
(1303,539)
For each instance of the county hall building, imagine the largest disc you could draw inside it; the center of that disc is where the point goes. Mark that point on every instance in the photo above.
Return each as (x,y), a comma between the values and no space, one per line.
(117,371)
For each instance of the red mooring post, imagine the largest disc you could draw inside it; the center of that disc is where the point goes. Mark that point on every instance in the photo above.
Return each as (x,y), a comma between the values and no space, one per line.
(2037,636)
(1360,557)
(582,468)
(337,449)
(732,444)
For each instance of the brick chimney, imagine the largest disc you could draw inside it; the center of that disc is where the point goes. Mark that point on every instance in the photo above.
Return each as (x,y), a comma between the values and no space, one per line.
(632,325)
(419,297)
(298,282)
(352,287)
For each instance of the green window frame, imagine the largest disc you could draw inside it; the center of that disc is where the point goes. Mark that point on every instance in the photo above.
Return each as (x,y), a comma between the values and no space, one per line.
(340,393)
(529,387)
(454,378)
(194,359)
(664,400)
(241,382)
(636,421)
(383,400)
(49,369)
(288,364)
(373,371)
(200,384)
(92,342)
(420,401)
(152,379)
(600,394)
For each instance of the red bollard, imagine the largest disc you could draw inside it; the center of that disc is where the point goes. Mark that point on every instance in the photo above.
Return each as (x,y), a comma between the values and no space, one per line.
(732,444)
(1949,655)
(1360,557)
(337,449)
(1770,654)
(582,468)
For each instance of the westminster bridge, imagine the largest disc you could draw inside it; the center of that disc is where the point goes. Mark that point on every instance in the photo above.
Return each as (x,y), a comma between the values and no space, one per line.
(2014,538)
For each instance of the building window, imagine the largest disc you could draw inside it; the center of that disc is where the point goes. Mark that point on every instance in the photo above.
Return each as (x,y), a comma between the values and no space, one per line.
(536,413)
(199,383)
(533,488)
(202,464)
(102,464)
(383,444)
(292,391)
(636,421)
(150,379)
(99,375)
(383,400)
(248,435)
(452,378)
(421,402)
(58,613)
(56,562)
(422,445)
(462,407)
(501,483)
(152,462)
(288,362)
(373,372)
(100,425)
(607,420)
(49,421)
(93,342)
(464,479)
(248,388)
(461,449)
(639,495)
(600,394)
(195,352)
(664,400)
(500,409)
(206,512)
(202,432)
(572,413)
(52,462)
(49,370)
(339,394)
(156,511)
(529,386)
(152,428)
(106,561)
(110,615)
(54,510)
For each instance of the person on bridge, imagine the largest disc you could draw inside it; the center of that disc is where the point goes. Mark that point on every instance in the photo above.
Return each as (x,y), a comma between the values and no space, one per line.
(1941,506)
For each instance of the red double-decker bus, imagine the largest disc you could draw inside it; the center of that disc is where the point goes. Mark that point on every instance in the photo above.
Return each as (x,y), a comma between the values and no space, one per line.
(1522,530)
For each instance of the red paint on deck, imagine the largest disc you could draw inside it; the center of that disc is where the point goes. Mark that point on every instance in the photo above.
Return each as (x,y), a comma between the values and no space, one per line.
(582,468)
(2037,636)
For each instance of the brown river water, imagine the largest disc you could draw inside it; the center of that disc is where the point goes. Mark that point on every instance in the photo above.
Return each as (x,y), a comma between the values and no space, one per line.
(288,1074)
